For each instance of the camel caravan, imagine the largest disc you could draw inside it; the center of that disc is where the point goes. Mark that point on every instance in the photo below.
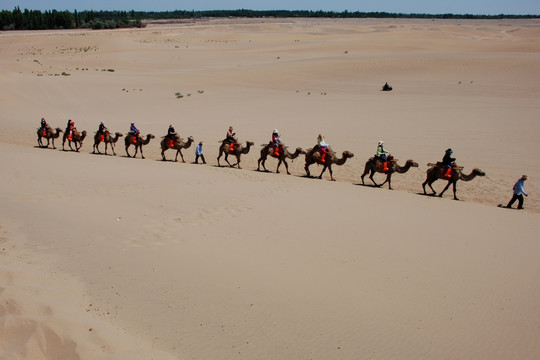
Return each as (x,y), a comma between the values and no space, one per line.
(321,154)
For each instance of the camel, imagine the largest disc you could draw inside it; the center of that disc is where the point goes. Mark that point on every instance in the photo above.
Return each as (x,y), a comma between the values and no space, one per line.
(436,172)
(48,134)
(374,165)
(314,156)
(138,142)
(107,139)
(237,151)
(168,143)
(283,155)
(77,139)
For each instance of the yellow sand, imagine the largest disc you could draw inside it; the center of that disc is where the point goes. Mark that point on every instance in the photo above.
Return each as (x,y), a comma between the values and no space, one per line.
(108,257)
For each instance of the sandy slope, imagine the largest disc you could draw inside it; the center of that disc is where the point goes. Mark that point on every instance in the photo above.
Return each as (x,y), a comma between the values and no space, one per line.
(163,259)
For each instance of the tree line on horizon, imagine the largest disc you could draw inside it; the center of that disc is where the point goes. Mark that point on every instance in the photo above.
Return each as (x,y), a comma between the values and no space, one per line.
(90,19)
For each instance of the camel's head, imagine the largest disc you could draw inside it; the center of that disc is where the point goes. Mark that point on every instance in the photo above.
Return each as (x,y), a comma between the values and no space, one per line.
(58,130)
(348,154)
(412,163)
(150,136)
(479,172)
(190,138)
(250,143)
(119,134)
(299,150)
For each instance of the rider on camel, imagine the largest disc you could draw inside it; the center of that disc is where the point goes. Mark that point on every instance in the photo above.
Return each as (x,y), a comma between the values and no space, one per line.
(44,125)
(70,129)
(171,134)
(447,162)
(133,130)
(102,129)
(230,139)
(323,145)
(381,154)
(276,142)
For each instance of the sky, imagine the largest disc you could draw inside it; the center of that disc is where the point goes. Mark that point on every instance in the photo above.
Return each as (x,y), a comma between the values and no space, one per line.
(483,7)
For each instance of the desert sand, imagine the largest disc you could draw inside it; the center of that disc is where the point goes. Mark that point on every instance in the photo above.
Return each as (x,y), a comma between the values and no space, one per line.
(110,257)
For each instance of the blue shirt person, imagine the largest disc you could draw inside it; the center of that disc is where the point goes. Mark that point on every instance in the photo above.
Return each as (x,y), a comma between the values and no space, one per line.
(199,153)
(519,191)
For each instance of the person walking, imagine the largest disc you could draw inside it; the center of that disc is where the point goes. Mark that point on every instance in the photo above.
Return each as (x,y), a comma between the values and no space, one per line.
(518,193)
(199,153)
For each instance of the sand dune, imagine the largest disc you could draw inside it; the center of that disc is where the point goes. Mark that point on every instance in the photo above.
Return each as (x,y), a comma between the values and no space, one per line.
(119,258)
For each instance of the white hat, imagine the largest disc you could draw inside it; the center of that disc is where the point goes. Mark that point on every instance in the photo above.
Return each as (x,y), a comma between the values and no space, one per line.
(275,131)
(380,142)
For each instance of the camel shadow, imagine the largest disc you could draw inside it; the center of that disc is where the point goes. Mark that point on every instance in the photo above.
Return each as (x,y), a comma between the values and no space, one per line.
(130,157)
(44,147)
(369,185)
(435,196)
(308,177)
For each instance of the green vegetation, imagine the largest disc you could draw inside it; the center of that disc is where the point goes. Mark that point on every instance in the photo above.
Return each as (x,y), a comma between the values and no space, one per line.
(53,19)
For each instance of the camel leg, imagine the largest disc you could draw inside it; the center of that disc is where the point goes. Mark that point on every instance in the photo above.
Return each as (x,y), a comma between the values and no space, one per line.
(388,179)
(112,148)
(306,167)
(455,189)
(331,173)
(163,153)
(219,156)
(322,172)
(181,155)
(286,166)
(127,146)
(371,177)
(428,182)
(366,171)
(259,164)
(105,148)
(142,155)
(136,151)
(54,147)
(445,188)
(431,187)
(278,165)
(227,159)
